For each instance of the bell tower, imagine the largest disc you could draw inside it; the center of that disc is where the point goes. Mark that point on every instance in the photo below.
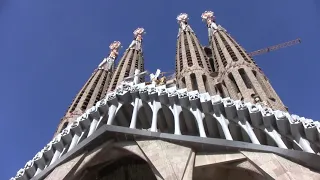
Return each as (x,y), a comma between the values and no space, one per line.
(131,61)
(192,66)
(93,90)
(239,77)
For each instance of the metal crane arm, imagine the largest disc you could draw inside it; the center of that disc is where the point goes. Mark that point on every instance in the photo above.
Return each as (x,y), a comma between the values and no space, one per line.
(275,47)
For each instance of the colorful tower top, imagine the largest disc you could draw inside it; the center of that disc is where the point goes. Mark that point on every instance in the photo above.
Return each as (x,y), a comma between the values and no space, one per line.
(210,19)
(108,62)
(183,23)
(136,43)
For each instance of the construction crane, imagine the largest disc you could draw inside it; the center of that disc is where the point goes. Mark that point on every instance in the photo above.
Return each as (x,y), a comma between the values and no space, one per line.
(275,47)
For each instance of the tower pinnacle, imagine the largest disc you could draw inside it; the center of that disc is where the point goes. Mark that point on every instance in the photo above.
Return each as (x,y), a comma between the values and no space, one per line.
(192,66)
(108,62)
(131,61)
(209,17)
(182,19)
(136,43)
(94,89)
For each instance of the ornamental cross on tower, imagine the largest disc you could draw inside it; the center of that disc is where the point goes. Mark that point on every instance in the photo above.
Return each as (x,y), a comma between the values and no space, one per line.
(108,62)
(137,38)
(135,77)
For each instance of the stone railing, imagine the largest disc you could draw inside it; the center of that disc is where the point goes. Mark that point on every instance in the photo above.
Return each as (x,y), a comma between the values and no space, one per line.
(183,113)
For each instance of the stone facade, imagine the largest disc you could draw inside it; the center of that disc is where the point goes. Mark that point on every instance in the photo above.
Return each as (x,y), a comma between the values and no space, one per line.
(234,128)
(178,134)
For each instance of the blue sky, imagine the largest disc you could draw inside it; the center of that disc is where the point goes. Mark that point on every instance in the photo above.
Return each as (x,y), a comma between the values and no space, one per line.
(48,49)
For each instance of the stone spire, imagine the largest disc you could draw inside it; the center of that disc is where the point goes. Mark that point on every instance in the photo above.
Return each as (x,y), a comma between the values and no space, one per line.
(192,66)
(94,89)
(238,75)
(131,61)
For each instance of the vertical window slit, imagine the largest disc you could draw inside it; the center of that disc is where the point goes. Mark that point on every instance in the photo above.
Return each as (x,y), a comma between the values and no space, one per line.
(205,82)
(188,54)
(233,83)
(194,83)
(228,47)
(245,78)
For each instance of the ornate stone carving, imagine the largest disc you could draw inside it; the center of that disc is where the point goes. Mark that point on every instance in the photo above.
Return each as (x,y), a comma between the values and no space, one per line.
(152,90)
(172,93)
(229,102)
(144,90)
(57,139)
(209,17)
(279,115)
(111,96)
(29,164)
(182,94)
(108,62)
(193,96)
(134,89)
(216,99)
(65,132)
(74,124)
(102,102)
(38,156)
(48,147)
(183,21)
(242,105)
(162,91)
(308,123)
(20,173)
(136,43)
(295,119)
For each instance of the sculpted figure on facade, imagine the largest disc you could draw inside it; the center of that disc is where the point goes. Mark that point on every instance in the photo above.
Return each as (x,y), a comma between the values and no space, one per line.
(137,38)
(135,78)
(154,77)
(108,62)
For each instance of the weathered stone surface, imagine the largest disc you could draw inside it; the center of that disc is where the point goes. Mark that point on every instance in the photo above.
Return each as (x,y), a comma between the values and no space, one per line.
(169,159)
(278,167)
(203,159)
(61,172)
